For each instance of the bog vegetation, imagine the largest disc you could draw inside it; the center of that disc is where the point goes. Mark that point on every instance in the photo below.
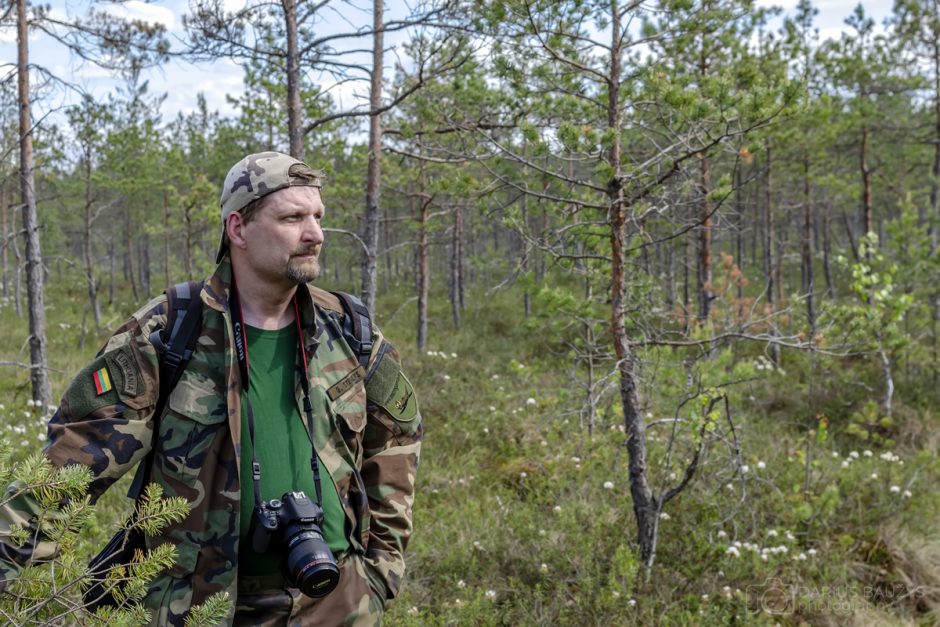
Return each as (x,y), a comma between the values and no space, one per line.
(665,276)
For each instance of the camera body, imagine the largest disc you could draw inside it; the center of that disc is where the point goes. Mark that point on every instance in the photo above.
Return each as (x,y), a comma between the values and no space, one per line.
(295,523)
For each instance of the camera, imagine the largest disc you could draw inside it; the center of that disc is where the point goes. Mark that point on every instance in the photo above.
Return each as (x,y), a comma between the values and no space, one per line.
(295,522)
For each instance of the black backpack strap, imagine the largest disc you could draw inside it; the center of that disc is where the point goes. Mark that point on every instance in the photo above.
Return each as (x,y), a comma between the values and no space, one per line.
(357,326)
(176,344)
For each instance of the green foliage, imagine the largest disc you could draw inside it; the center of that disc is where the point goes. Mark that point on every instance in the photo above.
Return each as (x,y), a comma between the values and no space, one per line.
(49,592)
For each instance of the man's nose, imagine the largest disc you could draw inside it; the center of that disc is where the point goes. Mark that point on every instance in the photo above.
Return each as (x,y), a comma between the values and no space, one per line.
(313,233)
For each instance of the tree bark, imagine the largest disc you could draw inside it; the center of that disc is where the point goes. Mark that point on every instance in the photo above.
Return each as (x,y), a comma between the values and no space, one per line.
(809,283)
(770,244)
(704,243)
(166,240)
(39,374)
(5,234)
(370,225)
(423,272)
(295,131)
(644,507)
(87,254)
(456,260)
(867,217)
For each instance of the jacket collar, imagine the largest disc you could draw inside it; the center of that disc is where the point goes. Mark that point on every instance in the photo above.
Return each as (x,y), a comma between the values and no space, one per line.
(216,292)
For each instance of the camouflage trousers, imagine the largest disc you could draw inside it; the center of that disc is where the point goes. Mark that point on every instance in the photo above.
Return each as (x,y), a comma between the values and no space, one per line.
(353,603)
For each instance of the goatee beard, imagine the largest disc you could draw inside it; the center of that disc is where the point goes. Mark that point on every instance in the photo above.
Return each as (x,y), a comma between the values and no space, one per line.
(301,275)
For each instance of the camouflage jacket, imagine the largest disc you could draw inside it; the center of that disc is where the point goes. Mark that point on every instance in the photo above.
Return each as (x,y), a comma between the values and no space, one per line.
(367,434)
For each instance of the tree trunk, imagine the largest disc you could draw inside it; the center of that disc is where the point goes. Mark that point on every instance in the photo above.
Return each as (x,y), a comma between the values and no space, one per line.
(128,254)
(143,264)
(370,225)
(166,240)
(770,244)
(867,221)
(87,255)
(704,243)
(5,234)
(423,273)
(644,507)
(739,228)
(190,236)
(456,260)
(295,131)
(808,276)
(39,375)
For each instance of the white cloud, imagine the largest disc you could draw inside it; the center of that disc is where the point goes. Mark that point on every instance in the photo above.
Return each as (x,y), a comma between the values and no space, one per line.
(138,10)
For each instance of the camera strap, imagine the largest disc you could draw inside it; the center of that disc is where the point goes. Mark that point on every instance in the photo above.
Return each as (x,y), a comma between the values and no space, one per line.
(241,352)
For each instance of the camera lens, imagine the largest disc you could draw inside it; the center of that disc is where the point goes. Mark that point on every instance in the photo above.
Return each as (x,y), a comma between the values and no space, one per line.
(310,563)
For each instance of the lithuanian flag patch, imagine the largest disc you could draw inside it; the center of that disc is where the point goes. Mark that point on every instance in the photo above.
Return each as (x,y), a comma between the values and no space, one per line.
(102,381)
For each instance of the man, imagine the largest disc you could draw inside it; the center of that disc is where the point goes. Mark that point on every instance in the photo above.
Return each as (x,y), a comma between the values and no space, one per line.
(236,432)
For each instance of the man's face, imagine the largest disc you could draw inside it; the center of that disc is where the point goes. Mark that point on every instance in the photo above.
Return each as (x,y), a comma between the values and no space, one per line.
(283,241)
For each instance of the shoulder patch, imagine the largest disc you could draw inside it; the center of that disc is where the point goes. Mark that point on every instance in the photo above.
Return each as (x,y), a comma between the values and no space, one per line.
(388,388)
(124,371)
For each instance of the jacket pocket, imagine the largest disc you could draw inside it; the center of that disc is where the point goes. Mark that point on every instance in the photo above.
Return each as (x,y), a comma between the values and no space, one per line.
(195,413)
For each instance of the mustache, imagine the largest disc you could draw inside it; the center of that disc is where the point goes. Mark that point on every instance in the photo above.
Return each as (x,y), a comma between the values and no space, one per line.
(313,250)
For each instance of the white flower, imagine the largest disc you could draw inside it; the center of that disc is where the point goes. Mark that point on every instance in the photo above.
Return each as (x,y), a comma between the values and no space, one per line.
(867,453)
(461,584)
(491,594)
(845,464)
(494,377)
(30,403)
(874,475)
(730,486)
(544,443)
(454,355)
(530,402)
(854,454)
(543,567)
(576,460)
(25,443)
(763,557)
(664,516)
(801,556)
(486,430)
(649,415)
(413,610)
(733,551)
(458,603)
(608,485)
(430,353)
(41,437)
(835,453)
(811,552)
(542,532)
(907,494)
(447,377)
(722,534)
(492,408)
(761,465)
(27,414)
(557,509)
(704,597)
(895,489)
(523,474)
(772,533)
(632,602)
(615,594)
(477,545)
(745,468)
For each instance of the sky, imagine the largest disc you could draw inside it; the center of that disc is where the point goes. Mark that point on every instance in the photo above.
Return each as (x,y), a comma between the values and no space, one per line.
(181,81)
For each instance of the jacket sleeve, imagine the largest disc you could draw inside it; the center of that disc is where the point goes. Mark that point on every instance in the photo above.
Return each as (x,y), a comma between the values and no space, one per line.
(103,422)
(391,447)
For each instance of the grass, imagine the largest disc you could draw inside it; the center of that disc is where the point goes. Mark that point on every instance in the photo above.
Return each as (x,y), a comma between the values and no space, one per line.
(524,517)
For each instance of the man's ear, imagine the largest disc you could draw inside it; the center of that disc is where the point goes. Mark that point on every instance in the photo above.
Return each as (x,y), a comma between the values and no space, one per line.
(234,230)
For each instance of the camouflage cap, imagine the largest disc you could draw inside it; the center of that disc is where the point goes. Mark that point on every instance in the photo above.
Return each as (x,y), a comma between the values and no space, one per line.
(256,176)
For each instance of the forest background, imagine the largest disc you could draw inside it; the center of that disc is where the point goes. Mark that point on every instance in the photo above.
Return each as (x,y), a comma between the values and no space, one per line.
(664,274)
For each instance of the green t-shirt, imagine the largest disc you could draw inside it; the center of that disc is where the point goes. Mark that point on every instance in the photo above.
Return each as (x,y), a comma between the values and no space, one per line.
(283,447)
